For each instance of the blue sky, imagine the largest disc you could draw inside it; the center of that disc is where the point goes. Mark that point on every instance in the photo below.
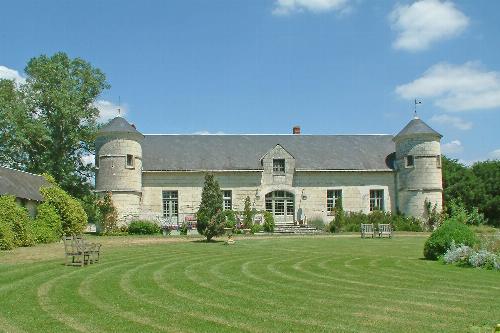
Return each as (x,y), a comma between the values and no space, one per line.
(262,66)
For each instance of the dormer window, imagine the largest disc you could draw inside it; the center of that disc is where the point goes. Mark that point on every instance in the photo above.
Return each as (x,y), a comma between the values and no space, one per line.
(279,166)
(130,161)
(410,161)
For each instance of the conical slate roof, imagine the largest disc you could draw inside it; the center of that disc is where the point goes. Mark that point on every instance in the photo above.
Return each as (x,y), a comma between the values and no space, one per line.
(416,126)
(118,125)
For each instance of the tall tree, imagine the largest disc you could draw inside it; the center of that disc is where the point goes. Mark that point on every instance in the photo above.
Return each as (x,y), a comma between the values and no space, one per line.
(49,122)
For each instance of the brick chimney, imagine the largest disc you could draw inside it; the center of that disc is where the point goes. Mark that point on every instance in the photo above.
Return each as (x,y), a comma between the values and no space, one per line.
(296,130)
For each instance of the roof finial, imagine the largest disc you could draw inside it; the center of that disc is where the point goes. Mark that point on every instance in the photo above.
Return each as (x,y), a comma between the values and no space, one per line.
(415,116)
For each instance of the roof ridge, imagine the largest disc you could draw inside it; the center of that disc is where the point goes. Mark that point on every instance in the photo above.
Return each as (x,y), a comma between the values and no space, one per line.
(29,173)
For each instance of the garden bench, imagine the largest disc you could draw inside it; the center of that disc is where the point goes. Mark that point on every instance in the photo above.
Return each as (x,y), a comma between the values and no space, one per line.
(367,230)
(80,251)
(384,230)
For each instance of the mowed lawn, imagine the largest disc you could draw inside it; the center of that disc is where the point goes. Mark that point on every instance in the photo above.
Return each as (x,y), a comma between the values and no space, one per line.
(280,284)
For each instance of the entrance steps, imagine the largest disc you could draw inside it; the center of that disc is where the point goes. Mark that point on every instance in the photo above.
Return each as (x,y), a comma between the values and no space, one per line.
(291,228)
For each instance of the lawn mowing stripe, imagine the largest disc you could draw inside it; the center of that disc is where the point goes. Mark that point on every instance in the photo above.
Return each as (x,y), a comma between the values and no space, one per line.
(7,327)
(85,291)
(161,283)
(44,289)
(305,281)
(127,287)
(307,323)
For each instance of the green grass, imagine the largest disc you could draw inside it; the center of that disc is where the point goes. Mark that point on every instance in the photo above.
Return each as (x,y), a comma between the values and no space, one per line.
(282,284)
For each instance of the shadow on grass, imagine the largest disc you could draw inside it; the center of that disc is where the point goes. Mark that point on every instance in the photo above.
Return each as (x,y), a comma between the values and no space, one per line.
(204,241)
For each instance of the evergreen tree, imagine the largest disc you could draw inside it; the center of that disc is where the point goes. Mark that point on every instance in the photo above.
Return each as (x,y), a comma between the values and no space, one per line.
(210,219)
(247,214)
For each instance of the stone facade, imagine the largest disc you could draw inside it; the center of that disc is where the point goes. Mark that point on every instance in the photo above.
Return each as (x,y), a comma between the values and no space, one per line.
(278,185)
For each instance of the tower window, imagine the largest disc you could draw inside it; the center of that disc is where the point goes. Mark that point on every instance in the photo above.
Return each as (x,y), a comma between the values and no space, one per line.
(410,161)
(279,166)
(130,161)
(438,161)
(332,196)
(376,200)
(97,158)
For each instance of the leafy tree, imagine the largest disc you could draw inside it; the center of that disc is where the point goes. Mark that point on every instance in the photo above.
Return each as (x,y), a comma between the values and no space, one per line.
(488,172)
(210,218)
(476,186)
(49,122)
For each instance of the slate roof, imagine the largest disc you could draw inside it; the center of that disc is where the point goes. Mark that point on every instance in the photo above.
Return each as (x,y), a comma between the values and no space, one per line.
(416,126)
(119,125)
(244,152)
(21,184)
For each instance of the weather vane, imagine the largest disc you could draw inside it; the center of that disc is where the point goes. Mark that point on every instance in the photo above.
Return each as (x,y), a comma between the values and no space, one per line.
(119,109)
(415,110)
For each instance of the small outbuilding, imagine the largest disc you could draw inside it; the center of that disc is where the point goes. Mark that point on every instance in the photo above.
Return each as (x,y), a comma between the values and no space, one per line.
(24,186)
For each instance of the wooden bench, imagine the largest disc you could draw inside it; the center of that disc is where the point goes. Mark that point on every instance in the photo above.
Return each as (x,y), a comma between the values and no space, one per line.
(80,251)
(384,230)
(367,230)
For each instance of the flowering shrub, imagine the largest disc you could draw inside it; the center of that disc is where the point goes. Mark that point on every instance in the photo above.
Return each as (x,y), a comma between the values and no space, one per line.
(464,255)
(458,254)
(483,258)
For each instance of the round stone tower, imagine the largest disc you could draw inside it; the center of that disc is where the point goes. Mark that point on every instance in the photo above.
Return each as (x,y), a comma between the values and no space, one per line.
(418,169)
(119,166)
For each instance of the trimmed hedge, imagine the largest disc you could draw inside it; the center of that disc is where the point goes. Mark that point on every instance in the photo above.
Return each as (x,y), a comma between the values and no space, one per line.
(143,227)
(6,237)
(47,226)
(444,236)
(15,218)
(73,216)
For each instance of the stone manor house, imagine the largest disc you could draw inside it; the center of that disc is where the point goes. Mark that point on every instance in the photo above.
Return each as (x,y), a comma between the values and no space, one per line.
(296,177)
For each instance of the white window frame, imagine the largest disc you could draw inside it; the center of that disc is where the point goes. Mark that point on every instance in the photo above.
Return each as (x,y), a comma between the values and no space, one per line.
(332,196)
(377,200)
(170,203)
(227,199)
(279,165)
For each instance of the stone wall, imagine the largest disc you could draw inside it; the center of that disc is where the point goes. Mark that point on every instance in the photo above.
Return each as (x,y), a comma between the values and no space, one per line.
(309,189)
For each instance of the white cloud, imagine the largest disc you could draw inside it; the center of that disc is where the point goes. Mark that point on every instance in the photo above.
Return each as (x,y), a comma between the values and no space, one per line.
(453,121)
(452,147)
(88,159)
(11,74)
(456,87)
(495,154)
(109,110)
(425,22)
(287,7)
